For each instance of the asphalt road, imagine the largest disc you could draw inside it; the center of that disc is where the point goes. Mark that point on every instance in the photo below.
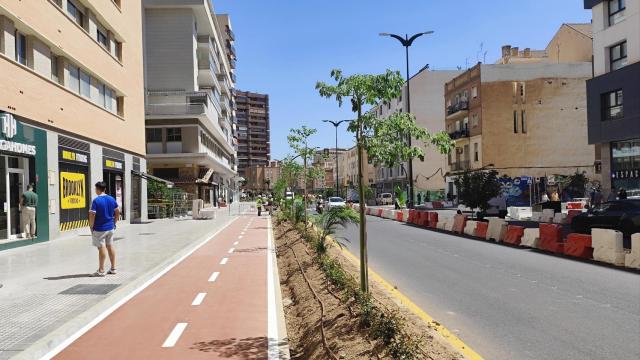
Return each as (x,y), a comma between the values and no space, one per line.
(509,303)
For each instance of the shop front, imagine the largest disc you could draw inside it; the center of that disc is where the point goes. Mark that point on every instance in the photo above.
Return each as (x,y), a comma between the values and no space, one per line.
(113,176)
(625,165)
(75,195)
(23,161)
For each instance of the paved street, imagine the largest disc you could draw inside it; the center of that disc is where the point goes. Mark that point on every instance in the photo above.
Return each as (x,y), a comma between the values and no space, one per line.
(509,303)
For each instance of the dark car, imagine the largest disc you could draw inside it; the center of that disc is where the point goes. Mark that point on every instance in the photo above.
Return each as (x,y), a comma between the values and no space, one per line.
(621,215)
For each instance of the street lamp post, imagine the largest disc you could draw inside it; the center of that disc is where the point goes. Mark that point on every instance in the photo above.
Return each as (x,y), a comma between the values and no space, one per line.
(336,124)
(406,41)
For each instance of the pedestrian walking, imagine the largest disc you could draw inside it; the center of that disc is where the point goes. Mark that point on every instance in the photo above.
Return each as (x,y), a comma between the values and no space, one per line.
(103,217)
(28,204)
(555,196)
(622,194)
(259,205)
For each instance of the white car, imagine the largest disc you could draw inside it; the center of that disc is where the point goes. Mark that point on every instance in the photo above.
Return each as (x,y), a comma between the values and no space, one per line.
(335,201)
(384,199)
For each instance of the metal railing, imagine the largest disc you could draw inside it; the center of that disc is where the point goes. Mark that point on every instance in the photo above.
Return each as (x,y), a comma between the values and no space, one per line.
(461,165)
(459,134)
(462,105)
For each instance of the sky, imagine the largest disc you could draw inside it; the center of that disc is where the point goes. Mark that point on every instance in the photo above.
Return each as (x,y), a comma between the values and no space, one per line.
(285,46)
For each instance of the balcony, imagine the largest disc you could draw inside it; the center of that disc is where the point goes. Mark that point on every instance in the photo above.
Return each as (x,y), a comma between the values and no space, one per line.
(232,65)
(231,34)
(460,165)
(225,85)
(231,49)
(207,74)
(459,109)
(459,134)
(233,77)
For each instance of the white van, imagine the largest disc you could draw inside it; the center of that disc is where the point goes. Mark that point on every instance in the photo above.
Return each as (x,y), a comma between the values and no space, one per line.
(384,199)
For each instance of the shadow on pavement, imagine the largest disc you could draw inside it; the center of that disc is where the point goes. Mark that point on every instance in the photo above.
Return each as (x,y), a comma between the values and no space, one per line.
(252,250)
(64,277)
(247,348)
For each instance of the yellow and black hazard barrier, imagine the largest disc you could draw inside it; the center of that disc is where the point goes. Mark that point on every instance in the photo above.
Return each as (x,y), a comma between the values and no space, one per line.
(70,225)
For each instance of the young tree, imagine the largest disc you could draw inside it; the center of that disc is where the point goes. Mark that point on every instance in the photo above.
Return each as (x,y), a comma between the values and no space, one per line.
(290,172)
(476,188)
(383,139)
(299,141)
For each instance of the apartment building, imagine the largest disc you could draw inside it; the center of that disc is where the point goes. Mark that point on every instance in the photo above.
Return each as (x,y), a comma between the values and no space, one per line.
(427,104)
(189,79)
(72,112)
(254,144)
(348,170)
(262,177)
(325,159)
(524,116)
(613,95)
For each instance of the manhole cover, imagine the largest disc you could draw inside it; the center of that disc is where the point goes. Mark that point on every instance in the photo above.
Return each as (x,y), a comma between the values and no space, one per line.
(89,289)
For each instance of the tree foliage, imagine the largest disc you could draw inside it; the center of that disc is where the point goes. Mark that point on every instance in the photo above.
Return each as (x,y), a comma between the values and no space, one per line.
(476,188)
(290,172)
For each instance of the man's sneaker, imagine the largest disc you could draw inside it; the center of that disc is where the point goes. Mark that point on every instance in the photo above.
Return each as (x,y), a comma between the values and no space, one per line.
(112,271)
(98,274)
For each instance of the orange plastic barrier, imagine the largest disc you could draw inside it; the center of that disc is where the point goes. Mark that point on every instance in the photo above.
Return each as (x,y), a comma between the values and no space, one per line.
(481,229)
(412,216)
(578,245)
(423,219)
(433,219)
(514,234)
(399,216)
(380,212)
(551,238)
(459,222)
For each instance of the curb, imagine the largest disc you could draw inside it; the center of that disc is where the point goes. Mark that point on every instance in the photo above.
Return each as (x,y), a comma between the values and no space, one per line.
(279,349)
(57,340)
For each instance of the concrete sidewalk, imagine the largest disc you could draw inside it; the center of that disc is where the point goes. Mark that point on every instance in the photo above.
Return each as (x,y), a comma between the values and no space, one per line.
(48,294)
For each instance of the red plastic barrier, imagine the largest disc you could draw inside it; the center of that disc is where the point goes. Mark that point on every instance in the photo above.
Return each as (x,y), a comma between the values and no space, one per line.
(399,216)
(368,211)
(437,205)
(481,229)
(423,219)
(574,205)
(551,238)
(412,216)
(380,212)
(578,245)
(433,219)
(514,234)
(459,222)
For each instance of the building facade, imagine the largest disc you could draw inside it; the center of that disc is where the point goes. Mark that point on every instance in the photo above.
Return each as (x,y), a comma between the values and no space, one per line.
(254,144)
(524,116)
(262,177)
(614,92)
(189,80)
(348,171)
(72,112)
(427,104)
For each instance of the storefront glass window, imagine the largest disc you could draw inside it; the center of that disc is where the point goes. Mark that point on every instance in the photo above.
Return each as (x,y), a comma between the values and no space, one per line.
(625,164)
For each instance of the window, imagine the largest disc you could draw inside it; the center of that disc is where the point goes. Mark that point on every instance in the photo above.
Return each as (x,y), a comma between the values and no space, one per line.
(476,156)
(465,95)
(618,56)
(522,93)
(85,84)
(101,95)
(174,134)
(523,120)
(616,11)
(515,121)
(109,99)
(102,38)
(474,92)
(75,13)
(21,48)
(612,105)
(54,68)
(474,120)
(154,135)
(74,78)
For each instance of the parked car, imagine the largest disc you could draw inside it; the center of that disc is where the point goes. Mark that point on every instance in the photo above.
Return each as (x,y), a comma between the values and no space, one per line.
(335,201)
(621,215)
(384,199)
(288,195)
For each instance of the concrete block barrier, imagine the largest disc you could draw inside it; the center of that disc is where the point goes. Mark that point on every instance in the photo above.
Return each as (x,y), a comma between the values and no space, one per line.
(632,260)
(388,214)
(514,235)
(448,224)
(560,218)
(433,219)
(459,222)
(578,245)
(551,238)
(428,205)
(496,229)
(607,246)
(470,228)
(536,216)
(530,238)
(481,229)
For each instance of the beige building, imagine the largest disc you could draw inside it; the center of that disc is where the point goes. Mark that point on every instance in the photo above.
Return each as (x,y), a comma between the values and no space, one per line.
(262,177)
(189,65)
(525,115)
(427,104)
(71,80)
(348,170)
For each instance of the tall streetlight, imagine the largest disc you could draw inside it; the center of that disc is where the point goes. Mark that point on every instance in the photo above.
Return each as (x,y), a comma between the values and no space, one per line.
(336,124)
(406,41)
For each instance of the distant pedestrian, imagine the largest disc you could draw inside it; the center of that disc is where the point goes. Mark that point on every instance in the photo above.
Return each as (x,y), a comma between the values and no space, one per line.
(545,197)
(29,203)
(555,196)
(612,194)
(103,217)
(597,198)
(259,205)
(622,194)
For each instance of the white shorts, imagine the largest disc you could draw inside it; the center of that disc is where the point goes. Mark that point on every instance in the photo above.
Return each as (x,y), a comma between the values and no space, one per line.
(100,238)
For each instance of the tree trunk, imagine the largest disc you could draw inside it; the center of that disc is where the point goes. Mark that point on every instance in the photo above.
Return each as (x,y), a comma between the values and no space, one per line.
(364,269)
(305,190)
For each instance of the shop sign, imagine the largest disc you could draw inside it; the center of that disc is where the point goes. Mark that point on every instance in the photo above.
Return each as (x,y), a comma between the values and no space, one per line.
(73,156)
(72,190)
(627,151)
(9,130)
(113,164)
(626,174)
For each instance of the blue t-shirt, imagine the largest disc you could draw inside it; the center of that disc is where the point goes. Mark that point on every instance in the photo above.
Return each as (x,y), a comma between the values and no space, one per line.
(104,206)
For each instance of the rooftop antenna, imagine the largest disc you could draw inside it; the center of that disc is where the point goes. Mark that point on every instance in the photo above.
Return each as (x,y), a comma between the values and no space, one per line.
(479,52)
(466,63)
(484,57)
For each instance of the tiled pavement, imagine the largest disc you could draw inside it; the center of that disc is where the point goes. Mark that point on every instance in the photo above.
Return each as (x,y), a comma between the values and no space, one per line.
(32,302)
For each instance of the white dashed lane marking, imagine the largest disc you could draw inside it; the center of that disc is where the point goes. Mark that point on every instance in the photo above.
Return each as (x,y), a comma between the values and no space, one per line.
(175,334)
(214,276)
(231,250)
(198,299)
(224,261)
(235,243)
